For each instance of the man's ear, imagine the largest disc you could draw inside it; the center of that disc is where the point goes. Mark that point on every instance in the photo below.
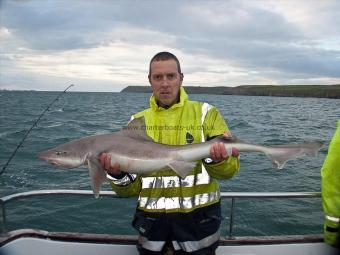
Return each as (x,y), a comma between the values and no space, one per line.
(181,77)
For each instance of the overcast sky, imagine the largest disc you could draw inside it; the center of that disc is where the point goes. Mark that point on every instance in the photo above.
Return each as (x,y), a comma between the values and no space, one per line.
(106,45)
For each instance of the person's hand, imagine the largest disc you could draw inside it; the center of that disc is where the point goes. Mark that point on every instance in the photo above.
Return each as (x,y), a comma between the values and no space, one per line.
(105,161)
(218,152)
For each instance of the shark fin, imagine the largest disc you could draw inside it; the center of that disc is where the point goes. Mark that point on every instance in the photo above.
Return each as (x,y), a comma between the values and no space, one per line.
(228,139)
(279,160)
(136,128)
(283,153)
(311,149)
(182,168)
(97,175)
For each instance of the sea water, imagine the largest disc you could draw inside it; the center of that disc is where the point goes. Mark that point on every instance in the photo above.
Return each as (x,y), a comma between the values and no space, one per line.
(261,120)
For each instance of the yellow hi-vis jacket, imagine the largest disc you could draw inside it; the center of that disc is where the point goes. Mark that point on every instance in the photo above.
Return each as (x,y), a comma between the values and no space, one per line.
(330,175)
(183,123)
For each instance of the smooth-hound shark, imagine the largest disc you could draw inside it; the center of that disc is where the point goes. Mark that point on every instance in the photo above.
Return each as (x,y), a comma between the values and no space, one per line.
(135,152)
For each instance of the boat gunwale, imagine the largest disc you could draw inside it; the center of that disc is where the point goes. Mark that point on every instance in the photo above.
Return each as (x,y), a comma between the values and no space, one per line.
(132,239)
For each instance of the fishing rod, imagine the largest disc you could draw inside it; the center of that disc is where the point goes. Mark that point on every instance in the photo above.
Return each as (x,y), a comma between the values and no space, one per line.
(33,126)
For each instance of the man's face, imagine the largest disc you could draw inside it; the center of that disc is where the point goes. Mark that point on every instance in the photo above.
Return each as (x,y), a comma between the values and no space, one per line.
(165,81)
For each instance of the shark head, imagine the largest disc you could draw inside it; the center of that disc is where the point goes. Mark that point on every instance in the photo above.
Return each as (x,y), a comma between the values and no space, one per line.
(63,157)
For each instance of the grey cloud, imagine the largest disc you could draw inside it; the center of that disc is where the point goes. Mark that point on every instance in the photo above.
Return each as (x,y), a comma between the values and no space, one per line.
(188,19)
(262,39)
(282,55)
(58,25)
(46,24)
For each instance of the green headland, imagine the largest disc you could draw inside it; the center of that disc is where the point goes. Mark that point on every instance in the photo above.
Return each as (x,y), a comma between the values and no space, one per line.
(319,91)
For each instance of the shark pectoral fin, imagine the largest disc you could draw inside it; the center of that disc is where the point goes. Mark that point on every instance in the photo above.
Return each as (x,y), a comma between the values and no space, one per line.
(182,168)
(278,161)
(280,154)
(97,175)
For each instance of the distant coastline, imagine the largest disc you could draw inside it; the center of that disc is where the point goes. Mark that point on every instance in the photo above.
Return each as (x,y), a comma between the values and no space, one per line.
(319,91)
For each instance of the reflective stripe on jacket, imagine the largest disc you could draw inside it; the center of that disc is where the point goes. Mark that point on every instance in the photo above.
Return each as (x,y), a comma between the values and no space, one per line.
(183,123)
(330,174)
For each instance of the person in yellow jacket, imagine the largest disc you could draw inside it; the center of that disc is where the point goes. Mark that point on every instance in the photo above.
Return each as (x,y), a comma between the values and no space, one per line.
(330,177)
(182,212)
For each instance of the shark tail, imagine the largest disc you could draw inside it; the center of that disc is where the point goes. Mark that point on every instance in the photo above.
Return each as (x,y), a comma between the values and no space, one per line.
(280,154)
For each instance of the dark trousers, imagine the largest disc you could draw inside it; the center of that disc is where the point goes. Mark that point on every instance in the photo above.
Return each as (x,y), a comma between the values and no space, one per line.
(195,233)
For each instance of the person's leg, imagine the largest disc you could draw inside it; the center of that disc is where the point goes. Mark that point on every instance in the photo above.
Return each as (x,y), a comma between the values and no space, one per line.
(197,232)
(153,232)
(143,251)
(204,251)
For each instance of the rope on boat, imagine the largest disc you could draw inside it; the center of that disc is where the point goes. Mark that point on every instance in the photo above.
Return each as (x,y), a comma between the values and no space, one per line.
(29,131)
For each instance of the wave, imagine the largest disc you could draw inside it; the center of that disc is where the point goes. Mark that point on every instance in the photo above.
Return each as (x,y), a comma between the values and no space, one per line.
(53,125)
(4,134)
(65,109)
(238,124)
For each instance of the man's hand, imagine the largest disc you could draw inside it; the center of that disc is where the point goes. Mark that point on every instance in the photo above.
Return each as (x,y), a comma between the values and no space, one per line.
(218,152)
(105,161)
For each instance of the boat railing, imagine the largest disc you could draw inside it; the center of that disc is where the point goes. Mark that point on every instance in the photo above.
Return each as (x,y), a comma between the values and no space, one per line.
(233,196)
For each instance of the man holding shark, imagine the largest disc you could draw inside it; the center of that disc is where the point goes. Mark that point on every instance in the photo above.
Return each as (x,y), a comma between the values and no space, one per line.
(183,212)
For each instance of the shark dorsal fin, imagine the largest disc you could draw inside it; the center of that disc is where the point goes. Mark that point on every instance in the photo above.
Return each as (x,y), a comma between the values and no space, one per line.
(230,139)
(136,129)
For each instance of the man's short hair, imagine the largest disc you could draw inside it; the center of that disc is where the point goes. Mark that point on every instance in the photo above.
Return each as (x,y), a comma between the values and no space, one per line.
(162,56)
